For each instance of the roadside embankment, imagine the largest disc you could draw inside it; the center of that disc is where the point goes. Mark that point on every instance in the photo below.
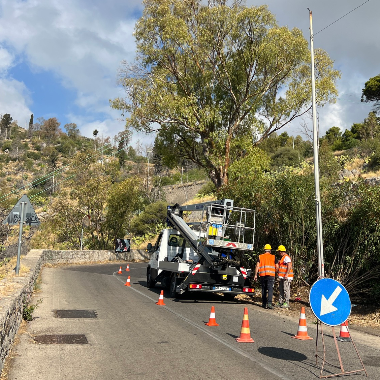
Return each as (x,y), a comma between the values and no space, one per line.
(15,293)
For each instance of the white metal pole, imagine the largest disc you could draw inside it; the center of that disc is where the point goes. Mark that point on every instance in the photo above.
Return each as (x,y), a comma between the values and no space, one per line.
(81,238)
(20,238)
(321,270)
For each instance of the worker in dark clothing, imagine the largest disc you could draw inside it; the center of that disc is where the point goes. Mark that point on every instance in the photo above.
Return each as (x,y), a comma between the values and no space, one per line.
(266,268)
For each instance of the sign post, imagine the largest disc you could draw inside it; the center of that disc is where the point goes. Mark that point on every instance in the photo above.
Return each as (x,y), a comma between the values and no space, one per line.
(22,212)
(330,303)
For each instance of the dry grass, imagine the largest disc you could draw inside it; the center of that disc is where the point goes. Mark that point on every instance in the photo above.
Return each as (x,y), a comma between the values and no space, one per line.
(7,273)
(355,164)
(371,175)
(194,201)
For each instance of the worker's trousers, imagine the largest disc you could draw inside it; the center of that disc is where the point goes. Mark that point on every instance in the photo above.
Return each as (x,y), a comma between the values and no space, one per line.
(284,288)
(267,283)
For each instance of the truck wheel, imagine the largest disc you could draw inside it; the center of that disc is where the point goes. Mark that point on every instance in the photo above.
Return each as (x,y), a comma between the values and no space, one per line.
(149,281)
(173,284)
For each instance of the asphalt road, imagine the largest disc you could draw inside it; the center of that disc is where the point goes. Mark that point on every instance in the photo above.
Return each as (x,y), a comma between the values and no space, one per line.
(133,338)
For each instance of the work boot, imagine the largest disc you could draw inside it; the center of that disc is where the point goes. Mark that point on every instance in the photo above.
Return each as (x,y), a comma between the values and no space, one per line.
(285,305)
(269,306)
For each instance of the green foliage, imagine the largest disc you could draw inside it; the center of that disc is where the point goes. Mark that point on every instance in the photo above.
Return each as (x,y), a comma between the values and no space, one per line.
(28,310)
(285,156)
(5,122)
(125,198)
(371,91)
(208,76)
(328,164)
(6,145)
(374,161)
(151,220)
(333,137)
(34,155)
(353,236)
(72,130)
(207,189)
(349,139)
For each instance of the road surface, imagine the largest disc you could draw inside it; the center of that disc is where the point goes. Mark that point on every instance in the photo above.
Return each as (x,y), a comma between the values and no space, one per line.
(125,335)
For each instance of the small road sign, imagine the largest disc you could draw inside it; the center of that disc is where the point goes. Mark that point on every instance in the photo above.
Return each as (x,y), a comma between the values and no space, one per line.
(330,301)
(30,216)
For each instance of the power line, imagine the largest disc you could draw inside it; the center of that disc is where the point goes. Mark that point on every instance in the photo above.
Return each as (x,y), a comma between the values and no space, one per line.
(341,17)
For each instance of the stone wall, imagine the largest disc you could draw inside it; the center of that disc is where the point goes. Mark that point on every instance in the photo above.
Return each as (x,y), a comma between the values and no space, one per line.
(19,290)
(66,257)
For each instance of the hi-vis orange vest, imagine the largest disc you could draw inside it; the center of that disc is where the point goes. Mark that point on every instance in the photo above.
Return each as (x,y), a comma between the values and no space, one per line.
(267,265)
(282,267)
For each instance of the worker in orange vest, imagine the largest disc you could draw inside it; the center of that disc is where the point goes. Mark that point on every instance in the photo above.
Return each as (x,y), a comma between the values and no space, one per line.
(285,277)
(266,268)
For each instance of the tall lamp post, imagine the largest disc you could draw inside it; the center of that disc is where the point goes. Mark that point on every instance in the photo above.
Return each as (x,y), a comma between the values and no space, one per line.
(148,153)
(321,266)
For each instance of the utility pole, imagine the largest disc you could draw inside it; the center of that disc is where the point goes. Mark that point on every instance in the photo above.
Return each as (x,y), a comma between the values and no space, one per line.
(321,265)
(148,152)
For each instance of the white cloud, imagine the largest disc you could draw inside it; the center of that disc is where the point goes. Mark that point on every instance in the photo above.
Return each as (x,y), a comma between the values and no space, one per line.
(14,99)
(6,60)
(82,42)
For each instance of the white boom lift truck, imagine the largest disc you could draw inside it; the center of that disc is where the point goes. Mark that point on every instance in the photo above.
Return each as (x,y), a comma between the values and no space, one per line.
(204,256)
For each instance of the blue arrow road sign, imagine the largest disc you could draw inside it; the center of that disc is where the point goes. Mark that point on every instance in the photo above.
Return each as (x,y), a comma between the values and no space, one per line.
(330,301)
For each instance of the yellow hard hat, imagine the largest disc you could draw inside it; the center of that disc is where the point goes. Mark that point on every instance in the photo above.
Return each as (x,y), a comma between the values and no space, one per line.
(281,248)
(267,246)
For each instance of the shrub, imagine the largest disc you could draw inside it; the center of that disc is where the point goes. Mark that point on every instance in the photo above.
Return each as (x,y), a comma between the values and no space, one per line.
(7,145)
(207,189)
(34,155)
(374,161)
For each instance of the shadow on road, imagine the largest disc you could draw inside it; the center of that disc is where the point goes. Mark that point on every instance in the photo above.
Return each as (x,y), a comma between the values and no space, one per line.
(282,353)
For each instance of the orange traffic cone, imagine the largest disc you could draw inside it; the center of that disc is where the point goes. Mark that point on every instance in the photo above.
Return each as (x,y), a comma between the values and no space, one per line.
(120,271)
(245,333)
(212,321)
(127,268)
(161,299)
(302,328)
(344,335)
(128,283)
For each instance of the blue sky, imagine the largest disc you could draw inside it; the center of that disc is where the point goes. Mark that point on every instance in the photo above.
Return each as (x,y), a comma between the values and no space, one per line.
(61,58)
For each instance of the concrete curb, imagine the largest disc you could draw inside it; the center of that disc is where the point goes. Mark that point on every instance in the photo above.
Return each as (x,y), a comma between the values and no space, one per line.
(12,305)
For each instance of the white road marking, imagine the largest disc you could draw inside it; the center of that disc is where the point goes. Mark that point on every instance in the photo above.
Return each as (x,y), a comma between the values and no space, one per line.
(209,333)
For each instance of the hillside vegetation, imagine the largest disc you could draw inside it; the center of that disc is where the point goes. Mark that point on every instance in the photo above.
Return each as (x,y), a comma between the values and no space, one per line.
(102,189)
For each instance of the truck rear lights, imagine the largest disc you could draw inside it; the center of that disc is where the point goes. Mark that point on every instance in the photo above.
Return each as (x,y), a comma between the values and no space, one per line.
(195,286)
(248,290)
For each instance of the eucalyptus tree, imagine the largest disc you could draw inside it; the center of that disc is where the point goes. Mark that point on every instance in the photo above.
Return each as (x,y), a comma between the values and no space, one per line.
(207,77)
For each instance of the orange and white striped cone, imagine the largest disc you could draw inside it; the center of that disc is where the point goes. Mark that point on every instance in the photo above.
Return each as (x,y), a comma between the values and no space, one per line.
(127,268)
(212,320)
(161,299)
(120,271)
(128,283)
(344,335)
(245,333)
(302,328)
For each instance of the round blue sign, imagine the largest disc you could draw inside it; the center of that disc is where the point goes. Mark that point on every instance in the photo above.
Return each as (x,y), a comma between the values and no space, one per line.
(330,301)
